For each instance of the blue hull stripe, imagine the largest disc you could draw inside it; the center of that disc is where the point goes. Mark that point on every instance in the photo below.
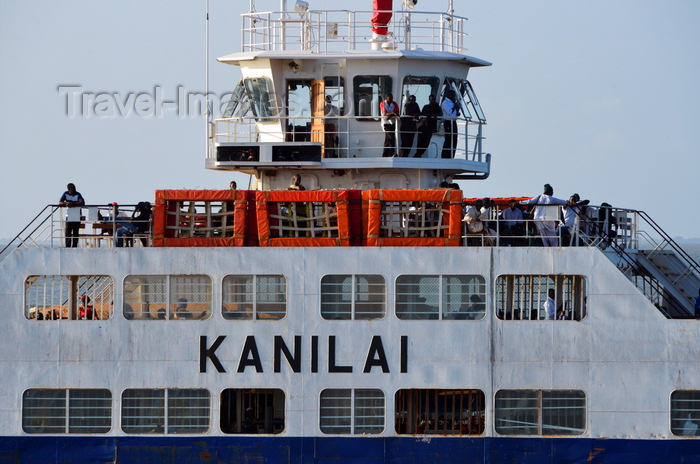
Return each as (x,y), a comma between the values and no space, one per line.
(403,450)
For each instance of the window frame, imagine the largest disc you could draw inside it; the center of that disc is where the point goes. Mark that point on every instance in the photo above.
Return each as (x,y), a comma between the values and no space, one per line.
(68,407)
(353,412)
(541,401)
(421,401)
(256,296)
(402,308)
(530,291)
(355,297)
(258,400)
(162,401)
(383,82)
(41,301)
(688,427)
(171,296)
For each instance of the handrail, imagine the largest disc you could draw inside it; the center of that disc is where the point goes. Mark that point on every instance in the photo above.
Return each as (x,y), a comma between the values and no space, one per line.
(321,31)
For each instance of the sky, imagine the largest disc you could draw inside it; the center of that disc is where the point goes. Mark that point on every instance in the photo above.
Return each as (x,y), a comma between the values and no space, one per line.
(601,98)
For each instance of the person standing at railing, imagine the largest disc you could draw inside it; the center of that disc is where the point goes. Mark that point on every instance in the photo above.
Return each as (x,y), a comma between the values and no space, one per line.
(450,112)
(389,110)
(73,200)
(570,211)
(546,215)
(411,111)
(428,125)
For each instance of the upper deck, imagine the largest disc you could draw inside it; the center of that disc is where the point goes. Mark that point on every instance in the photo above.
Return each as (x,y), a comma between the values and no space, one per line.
(310,98)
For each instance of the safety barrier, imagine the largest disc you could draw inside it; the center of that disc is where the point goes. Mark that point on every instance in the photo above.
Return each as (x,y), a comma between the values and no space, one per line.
(201,218)
(412,217)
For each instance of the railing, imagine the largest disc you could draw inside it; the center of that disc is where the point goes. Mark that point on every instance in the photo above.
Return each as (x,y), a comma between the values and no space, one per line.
(331,30)
(97,229)
(336,136)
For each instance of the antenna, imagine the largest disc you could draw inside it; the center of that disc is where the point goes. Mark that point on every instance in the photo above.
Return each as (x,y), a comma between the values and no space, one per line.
(207,112)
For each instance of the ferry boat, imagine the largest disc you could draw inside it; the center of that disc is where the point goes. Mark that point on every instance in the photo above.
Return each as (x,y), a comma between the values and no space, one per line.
(341,308)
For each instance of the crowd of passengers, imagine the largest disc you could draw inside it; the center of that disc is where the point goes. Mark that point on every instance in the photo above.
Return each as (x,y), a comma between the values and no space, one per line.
(548,221)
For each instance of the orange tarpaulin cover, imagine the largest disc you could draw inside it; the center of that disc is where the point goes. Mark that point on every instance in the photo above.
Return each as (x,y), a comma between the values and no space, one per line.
(168,200)
(372,208)
(266,203)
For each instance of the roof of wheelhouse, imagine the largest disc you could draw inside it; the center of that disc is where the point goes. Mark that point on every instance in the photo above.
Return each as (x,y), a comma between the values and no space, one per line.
(238,58)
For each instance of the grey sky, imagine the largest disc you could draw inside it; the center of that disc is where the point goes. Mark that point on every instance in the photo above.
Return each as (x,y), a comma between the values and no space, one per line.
(596,97)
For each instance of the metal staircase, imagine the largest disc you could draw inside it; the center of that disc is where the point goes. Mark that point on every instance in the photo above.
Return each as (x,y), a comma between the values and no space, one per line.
(665,273)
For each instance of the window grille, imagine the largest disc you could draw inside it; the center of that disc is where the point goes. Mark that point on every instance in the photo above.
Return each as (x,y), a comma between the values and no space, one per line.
(256,410)
(413,219)
(58,411)
(439,411)
(144,411)
(685,412)
(447,297)
(308,219)
(352,411)
(353,297)
(254,297)
(523,297)
(540,412)
(72,297)
(167,297)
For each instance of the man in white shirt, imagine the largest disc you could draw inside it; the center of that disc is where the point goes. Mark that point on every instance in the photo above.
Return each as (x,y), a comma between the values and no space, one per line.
(546,215)
(570,212)
(549,305)
(450,113)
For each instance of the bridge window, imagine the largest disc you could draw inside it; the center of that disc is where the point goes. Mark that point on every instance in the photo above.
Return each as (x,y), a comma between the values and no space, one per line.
(419,86)
(540,412)
(685,412)
(179,297)
(73,297)
(165,411)
(525,297)
(446,297)
(54,411)
(352,411)
(254,297)
(439,412)
(256,410)
(353,297)
(368,92)
(252,97)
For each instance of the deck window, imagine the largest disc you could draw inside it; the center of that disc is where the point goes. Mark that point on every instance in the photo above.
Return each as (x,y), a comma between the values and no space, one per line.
(257,410)
(685,412)
(68,297)
(421,87)
(368,92)
(353,297)
(252,97)
(523,297)
(540,412)
(58,411)
(181,297)
(260,297)
(347,411)
(446,297)
(144,411)
(439,412)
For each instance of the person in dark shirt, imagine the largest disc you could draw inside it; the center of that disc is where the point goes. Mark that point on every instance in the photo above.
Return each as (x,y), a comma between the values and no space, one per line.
(428,125)
(411,112)
(73,200)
